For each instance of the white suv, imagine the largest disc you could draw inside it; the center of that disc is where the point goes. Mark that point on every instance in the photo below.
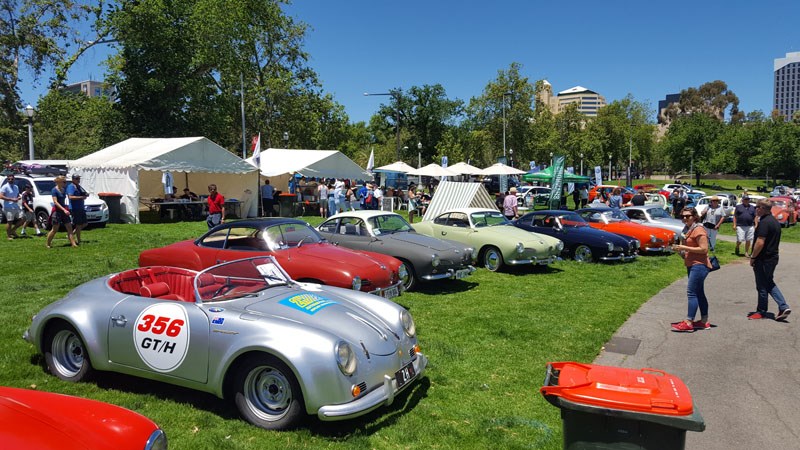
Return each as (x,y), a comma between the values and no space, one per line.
(96,208)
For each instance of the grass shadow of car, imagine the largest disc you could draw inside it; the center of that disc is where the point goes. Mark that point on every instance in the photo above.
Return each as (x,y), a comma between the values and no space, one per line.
(531,269)
(444,287)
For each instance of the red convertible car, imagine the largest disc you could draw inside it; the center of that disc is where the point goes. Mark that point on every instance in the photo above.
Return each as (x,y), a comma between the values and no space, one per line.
(44,421)
(299,249)
(607,189)
(652,240)
(784,210)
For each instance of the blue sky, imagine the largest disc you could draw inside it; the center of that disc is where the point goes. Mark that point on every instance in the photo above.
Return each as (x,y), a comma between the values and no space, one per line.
(648,49)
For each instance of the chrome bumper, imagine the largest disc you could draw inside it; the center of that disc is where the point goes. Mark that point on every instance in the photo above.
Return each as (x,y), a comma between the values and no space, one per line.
(398,285)
(664,249)
(537,261)
(451,273)
(383,395)
(618,258)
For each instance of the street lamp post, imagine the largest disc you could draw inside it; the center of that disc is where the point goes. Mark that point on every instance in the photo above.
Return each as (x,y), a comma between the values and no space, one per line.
(630,152)
(609,167)
(394,93)
(581,164)
(29,111)
(551,159)
(419,162)
(511,157)
(286,139)
(505,94)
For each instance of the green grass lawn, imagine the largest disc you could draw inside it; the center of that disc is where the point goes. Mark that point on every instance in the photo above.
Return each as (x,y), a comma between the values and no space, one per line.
(488,338)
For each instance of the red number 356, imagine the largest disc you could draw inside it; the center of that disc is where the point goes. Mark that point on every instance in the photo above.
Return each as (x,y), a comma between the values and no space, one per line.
(160,325)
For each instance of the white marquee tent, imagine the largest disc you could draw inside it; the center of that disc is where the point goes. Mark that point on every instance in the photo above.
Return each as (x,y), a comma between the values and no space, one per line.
(278,163)
(134,169)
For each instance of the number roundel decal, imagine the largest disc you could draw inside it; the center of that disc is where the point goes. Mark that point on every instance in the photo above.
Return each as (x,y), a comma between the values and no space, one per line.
(161,336)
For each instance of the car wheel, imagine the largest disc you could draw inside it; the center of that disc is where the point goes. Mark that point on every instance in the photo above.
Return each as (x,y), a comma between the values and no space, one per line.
(411,278)
(267,394)
(43,219)
(582,253)
(492,259)
(65,354)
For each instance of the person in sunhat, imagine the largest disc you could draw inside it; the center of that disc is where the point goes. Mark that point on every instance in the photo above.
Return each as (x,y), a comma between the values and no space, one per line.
(712,219)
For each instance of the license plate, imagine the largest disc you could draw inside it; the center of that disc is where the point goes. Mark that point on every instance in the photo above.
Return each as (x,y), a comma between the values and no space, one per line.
(461,273)
(404,375)
(391,292)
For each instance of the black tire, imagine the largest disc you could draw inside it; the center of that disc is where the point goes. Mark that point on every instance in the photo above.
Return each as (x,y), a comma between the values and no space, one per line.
(43,219)
(582,253)
(411,281)
(65,353)
(492,259)
(267,394)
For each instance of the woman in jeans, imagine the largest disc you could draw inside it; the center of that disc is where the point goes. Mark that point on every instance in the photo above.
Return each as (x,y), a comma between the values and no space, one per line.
(694,251)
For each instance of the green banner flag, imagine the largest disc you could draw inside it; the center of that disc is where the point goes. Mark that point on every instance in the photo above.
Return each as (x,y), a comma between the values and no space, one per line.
(556,182)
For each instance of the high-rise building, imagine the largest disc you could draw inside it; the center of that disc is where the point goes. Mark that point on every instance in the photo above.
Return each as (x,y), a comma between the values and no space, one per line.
(588,101)
(664,104)
(90,88)
(787,85)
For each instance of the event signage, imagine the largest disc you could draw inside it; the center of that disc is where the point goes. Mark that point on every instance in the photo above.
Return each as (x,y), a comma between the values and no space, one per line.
(557,182)
(598,175)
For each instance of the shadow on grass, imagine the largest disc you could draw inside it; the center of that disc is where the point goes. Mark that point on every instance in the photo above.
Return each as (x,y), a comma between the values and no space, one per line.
(531,269)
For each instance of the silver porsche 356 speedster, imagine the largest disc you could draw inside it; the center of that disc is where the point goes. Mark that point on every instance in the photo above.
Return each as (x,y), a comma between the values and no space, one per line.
(243,330)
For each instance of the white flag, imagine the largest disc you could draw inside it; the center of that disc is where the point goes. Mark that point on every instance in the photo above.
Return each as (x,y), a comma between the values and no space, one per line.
(371,162)
(257,152)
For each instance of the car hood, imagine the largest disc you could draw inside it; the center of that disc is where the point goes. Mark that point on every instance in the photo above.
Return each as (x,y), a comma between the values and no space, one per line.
(419,240)
(333,313)
(41,420)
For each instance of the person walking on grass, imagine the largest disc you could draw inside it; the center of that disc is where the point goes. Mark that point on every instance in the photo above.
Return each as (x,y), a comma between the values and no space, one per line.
(26,200)
(60,215)
(216,207)
(9,193)
(693,248)
(712,219)
(77,195)
(764,261)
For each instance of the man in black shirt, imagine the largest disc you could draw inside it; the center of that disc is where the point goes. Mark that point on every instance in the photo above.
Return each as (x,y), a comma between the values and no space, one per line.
(639,199)
(765,260)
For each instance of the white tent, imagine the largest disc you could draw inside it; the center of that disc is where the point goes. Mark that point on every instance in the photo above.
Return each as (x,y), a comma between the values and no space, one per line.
(310,163)
(501,169)
(433,170)
(134,169)
(398,166)
(452,194)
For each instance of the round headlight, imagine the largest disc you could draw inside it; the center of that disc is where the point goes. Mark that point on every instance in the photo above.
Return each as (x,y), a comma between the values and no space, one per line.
(435,260)
(780,216)
(560,246)
(473,252)
(652,239)
(520,247)
(610,246)
(157,441)
(345,358)
(408,323)
(356,283)
(636,243)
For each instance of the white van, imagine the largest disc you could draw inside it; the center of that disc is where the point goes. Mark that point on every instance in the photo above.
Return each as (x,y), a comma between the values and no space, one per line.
(96,208)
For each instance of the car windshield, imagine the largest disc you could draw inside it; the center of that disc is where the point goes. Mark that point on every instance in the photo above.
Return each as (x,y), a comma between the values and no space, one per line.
(389,223)
(615,215)
(658,213)
(290,235)
(240,278)
(488,219)
(572,220)
(778,203)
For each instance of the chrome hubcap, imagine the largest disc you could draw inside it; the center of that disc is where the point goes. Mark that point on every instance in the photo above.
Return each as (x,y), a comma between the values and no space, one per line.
(268,393)
(68,353)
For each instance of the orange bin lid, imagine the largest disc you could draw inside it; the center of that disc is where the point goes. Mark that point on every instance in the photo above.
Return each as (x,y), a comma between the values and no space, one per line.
(642,390)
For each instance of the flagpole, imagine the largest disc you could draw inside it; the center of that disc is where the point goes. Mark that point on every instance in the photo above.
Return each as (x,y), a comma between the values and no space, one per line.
(257,161)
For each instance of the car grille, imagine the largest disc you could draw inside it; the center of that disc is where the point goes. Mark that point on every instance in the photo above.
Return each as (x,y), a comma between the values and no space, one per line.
(363,387)
(617,248)
(412,352)
(92,208)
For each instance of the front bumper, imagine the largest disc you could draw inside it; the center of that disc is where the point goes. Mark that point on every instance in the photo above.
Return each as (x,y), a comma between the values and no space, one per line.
(383,395)
(534,260)
(451,273)
(380,292)
(624,258)
(664,249)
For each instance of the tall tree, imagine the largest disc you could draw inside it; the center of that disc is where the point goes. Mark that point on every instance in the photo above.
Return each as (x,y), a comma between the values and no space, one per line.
(713,99)
(689,143)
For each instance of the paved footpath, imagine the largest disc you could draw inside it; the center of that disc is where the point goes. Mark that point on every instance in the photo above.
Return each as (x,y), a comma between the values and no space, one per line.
(744,375)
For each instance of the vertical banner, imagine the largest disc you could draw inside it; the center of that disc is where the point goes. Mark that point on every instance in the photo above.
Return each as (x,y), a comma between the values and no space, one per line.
(533,166)
(598,175)
(444,164)
(503,178)
(570,186)
(557,182)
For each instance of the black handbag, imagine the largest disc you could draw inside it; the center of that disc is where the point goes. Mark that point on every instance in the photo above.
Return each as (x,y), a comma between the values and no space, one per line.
(714,262)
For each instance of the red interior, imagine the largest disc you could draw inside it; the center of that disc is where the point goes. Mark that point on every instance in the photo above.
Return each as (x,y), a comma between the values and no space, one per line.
(174,283)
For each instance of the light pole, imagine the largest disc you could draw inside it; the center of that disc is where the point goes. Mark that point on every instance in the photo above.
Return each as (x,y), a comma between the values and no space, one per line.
(286,139)
(505,94)
(29,111)
(394,93)
(609,167)
(551,159)
(630,151)
(419,162)
(581,164)
(511,157)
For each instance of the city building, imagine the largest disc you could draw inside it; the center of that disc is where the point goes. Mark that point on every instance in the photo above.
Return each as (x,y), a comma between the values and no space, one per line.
(588,102)
(90,88)
(663,105)
(787,85)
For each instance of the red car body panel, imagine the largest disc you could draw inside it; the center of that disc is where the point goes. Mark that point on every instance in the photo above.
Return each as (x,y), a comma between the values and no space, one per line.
(43,420)
(640,232)
(789,210)
(608,189)
(321,262)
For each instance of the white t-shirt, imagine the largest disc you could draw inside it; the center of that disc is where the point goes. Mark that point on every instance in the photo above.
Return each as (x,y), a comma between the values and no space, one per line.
(10,190)
(378,193)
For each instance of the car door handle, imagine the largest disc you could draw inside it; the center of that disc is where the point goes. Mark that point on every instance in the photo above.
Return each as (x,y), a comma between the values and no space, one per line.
(119,321)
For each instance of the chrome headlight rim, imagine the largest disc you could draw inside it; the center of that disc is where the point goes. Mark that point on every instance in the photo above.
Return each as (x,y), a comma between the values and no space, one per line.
(345,358)
(435,260)
(560,246)
(653,238)
(637,244)
(402,272)
(610,246)
(409,327)
(520,248)
(473,252)
(356,284)
(157,440)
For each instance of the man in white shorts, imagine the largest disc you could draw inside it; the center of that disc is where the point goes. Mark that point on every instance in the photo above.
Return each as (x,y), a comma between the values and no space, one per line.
(744,217)
(9,193)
